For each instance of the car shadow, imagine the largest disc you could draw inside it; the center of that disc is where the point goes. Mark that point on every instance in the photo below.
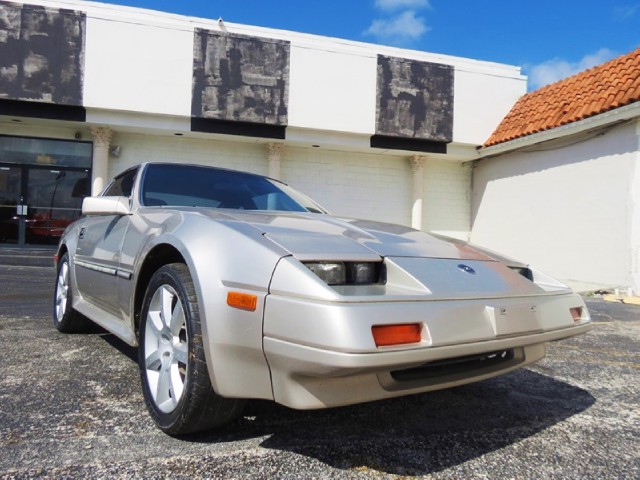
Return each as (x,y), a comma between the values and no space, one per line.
(414,435)
(127,350)
(419,434)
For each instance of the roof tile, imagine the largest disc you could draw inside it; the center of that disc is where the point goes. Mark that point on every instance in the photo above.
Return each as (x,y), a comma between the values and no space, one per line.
(611,85)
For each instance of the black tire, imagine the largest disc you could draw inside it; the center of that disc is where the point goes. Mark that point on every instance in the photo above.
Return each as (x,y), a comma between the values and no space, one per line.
(65,318)
(173,370)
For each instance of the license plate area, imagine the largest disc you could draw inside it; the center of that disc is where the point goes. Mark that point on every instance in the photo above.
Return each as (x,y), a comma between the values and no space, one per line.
(512,319)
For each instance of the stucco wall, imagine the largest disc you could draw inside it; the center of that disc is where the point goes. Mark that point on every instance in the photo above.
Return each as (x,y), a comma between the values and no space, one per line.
(482,100)
(447,198)
(634,214)
(332,90)
(135,67)
(566,207)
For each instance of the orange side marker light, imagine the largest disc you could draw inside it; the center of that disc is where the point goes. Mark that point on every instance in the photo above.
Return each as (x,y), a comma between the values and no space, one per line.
(385,335)
(243,301)
(576,313)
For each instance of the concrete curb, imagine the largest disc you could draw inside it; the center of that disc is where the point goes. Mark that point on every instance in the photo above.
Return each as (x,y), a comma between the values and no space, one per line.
(622,299)
(27,257)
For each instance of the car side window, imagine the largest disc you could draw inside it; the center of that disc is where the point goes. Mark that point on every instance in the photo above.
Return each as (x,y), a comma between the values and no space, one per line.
(122,185)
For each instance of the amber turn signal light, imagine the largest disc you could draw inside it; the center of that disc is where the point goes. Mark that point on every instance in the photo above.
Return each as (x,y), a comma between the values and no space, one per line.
(244,301)
(576,313)
(385,335)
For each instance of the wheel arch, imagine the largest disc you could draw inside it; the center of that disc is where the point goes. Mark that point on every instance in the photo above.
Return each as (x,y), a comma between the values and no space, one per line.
(159,256)
(62,249)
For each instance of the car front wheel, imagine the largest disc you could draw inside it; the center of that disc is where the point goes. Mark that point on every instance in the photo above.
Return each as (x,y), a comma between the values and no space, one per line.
(173,370)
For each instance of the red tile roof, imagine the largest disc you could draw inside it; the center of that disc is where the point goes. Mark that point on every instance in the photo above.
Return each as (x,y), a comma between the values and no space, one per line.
(605,87)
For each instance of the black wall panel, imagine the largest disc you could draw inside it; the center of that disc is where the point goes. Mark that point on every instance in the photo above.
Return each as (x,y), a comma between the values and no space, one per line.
(414,100)
(41,54)
(237,78)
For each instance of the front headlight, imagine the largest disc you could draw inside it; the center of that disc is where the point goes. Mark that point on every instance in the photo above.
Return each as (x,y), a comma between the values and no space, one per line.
(348,273)
(524,271)
(329,273)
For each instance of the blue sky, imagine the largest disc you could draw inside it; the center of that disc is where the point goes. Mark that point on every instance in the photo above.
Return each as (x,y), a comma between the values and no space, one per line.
(549,39)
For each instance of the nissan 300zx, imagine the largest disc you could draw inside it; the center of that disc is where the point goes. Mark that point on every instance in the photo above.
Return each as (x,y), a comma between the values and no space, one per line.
(233,286)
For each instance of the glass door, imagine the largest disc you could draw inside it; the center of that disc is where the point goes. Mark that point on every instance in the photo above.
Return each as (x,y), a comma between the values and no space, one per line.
(54,199)
(42,184)
(10,198)
(37,203)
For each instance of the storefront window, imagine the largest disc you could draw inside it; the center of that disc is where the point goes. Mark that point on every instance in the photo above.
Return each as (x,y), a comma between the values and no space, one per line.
(42,184)
(45,152)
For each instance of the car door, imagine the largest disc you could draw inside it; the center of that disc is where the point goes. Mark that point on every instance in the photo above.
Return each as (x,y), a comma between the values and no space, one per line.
(97,258)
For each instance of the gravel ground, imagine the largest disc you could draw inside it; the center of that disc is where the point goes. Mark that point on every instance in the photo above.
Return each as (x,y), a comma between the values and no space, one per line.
(71,406)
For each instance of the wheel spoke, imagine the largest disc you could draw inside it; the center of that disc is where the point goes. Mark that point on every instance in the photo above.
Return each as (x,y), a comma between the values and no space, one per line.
(162,391)
(62,277)
(60,309)
(177,384)
(154,361)
(167,306)
(60,295)
(177,319)
(180,353)
(154,324)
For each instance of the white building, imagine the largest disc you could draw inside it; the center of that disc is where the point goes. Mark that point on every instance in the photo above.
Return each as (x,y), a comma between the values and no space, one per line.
(88,89)
(559,181)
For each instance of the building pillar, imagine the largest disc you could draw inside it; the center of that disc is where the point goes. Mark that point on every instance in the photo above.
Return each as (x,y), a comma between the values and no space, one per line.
(417,165)
(101,141)
(274,153)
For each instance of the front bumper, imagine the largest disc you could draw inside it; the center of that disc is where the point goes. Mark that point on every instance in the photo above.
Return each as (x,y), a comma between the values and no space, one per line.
(323,355)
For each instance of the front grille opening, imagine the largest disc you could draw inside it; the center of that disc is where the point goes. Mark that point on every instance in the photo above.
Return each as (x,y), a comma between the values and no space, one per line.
(453,366)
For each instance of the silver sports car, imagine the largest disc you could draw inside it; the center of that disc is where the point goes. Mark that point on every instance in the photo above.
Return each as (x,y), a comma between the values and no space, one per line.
(235,286)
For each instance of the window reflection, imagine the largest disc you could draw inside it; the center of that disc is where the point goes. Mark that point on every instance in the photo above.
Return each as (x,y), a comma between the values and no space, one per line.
(55,200)
(42,151)
(45,178)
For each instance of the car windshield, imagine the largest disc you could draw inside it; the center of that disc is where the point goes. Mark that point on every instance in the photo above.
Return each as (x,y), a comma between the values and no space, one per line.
(199,186)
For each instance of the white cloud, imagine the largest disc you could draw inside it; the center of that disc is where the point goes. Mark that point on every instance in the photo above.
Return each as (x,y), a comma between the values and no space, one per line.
(399,30)
(625,12)
(401,4)
(557,69)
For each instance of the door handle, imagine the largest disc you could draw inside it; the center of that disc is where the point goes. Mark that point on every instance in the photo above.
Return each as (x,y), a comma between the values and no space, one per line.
(82,231)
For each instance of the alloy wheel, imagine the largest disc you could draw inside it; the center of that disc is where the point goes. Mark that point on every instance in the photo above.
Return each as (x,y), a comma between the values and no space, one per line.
(62,290)
(166,348)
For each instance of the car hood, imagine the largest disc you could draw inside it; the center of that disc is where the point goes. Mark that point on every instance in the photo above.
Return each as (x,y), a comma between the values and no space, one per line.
(323,237)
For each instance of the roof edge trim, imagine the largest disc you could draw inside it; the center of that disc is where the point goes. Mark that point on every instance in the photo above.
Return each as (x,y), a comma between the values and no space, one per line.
(611,116)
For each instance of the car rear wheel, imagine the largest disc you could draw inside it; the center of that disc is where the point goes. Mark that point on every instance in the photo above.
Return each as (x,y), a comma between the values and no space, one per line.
(65,318)
(173,369)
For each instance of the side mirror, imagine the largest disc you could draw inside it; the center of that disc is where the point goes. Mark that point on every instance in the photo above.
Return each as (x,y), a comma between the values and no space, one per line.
(106,206)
